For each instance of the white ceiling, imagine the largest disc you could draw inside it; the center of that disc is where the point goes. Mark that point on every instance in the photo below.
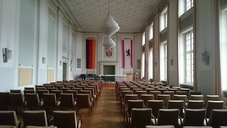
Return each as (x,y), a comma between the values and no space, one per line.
(131,15)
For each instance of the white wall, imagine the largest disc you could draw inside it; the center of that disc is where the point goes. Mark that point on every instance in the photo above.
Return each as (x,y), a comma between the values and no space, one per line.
(206,40)
(79,52)
(173,43)
(10,28)
(9,38)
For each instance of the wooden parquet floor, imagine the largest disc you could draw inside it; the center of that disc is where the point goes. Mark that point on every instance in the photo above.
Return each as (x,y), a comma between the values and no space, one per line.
(106,112)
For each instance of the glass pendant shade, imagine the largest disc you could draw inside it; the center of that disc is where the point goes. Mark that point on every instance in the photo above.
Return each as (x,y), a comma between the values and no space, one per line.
(109,43)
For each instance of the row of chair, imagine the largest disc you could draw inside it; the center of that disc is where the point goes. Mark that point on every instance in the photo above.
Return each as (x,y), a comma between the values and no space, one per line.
(138,116)
(184,104)
(30,119)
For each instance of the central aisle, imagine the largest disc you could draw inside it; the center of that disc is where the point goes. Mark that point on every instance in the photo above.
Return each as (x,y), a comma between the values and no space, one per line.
(106,112)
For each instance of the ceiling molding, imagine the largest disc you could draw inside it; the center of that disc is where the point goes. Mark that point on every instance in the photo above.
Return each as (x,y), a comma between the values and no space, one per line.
(69,13)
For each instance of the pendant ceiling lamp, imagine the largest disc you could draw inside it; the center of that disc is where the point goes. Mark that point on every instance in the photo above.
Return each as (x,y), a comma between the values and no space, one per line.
(109,43)
(109,27)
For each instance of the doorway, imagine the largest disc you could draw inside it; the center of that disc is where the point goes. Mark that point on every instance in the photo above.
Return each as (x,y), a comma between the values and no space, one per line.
(109,69)
(64,72)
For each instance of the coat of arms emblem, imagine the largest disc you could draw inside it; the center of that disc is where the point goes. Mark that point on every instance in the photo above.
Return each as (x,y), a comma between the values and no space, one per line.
(109,52)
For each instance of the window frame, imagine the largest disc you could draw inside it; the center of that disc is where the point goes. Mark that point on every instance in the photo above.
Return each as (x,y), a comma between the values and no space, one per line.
(188,5)
(189,58)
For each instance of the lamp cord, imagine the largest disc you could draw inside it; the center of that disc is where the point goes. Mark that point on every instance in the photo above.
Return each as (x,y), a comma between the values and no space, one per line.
(109,8)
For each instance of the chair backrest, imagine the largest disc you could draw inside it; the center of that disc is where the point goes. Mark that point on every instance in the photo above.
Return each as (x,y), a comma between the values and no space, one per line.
(15,91)
(49,100)
(155,93)
(177,104)
(57,93)
(161,126)
(194,117)
(180,97)
(40,93)
(218,118)
(155,105)
(213,105)
(8,118)
(35,118)
(134,104)
(74,92)
(4,100)
(140,117)
(211,97)
(140,92)
(146,97)
(83,101)
(67,100)
(182,93)
(195,104)
(16,99)
(29,88)
(130,97)
(171,93)
(196,97)
(28,91)
(195,93)
(165,98)
(168,117)
(123,93)
(41,127)
(32,100)
(7,126)
(65,119)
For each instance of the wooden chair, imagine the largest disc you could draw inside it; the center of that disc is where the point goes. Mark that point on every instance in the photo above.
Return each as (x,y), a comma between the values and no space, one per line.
(32,101)
(171,93)
(213,105)
(195,104)
(155,105)
(194,117)
(17,102)
(15,91)
(129,97)
(41,92)
(4,100)
(35,118)
(196,97)
(177,104)
(140,92)
(132,104)
(66,119)
(83,101)
(218,118)
(140,117)
(155,93)
(165,98)
(212,98)
(146,97)
(9,118)
(67,101)
(168,117)
(41,127)
(50,102)
(159,126)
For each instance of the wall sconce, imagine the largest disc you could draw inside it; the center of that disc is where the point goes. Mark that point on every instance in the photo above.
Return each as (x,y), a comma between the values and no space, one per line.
(43,60)
(206,57)
(4,54)
(7,54)
(171,61)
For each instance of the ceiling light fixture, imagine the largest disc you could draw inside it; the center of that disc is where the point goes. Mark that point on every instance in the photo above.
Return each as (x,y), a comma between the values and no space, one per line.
(109,27)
